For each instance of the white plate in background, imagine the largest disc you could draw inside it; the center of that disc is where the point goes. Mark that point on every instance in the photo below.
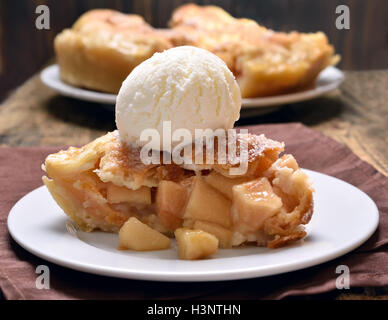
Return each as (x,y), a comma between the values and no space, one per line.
(344,217)
(327,81)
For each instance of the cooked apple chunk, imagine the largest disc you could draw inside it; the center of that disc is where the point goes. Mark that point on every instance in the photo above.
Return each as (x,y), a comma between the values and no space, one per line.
(136,235)
(255,202)
(195,244)
(116,194)
(170,201)
(223,184)
(208,204)
(223,235)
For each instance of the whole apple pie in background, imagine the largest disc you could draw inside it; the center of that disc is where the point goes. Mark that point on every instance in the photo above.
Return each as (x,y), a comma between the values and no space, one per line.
(104,46)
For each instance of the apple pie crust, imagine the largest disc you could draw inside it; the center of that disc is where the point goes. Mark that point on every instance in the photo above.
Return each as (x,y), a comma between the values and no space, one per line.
(104,46)
(103,184)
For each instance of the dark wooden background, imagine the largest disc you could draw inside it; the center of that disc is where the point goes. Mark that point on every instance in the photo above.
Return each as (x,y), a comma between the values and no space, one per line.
(24,49)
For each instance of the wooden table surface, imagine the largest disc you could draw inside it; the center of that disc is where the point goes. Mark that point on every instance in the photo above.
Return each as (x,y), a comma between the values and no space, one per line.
(356,114)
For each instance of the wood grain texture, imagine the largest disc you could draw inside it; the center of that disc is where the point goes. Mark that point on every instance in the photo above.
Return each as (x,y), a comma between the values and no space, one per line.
(24,49)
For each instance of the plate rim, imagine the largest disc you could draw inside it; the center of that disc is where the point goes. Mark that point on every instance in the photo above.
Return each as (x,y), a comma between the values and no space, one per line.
(247,103)
(163,276)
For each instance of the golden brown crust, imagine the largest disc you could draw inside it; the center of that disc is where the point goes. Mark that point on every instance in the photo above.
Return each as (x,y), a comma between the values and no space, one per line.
(297,196)
(281,241)
(103,47)
(110,21)
(265,62)
(118,157)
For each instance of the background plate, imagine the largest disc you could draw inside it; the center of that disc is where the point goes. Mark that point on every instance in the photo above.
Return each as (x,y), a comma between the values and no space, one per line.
(328,80)
(344,218)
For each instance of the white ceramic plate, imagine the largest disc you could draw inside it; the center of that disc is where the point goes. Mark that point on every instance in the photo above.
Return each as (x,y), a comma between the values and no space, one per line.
(344,218)
(328,80)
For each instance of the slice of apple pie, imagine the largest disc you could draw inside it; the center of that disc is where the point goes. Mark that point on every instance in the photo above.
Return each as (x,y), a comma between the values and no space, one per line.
(104,185)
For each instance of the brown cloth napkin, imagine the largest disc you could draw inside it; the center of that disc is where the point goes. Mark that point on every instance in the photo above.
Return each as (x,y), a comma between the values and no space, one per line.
(20,173)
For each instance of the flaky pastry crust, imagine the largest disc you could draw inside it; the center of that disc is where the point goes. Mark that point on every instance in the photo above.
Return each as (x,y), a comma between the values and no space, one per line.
(89,182)
(103,47)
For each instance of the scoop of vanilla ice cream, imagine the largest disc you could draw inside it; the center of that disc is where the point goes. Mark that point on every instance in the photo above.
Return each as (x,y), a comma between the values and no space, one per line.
(189,86)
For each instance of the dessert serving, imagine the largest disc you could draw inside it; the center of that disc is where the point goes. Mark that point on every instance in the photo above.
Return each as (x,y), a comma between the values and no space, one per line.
(106,185)
(104,46)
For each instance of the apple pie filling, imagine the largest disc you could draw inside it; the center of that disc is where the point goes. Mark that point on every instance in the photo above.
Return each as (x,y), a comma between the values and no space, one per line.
(105,186)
